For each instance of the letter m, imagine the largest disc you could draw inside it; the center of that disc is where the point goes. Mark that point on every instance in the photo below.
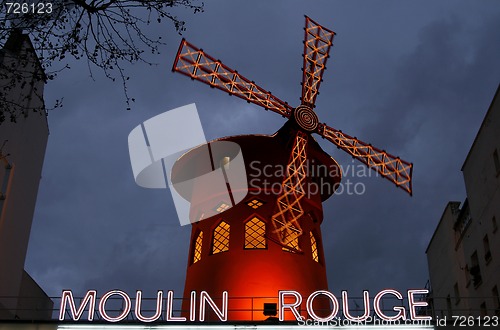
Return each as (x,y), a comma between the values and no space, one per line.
(67,297)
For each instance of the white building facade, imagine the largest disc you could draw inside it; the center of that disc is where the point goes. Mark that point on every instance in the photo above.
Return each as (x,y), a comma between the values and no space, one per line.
(22,151)
(464,252)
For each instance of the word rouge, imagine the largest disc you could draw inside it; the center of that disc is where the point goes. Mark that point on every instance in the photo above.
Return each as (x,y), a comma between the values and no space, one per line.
(204,299)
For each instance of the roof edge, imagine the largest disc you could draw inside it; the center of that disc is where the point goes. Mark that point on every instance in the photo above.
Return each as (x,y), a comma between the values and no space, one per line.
(15,43)
(495,97)
(439,223)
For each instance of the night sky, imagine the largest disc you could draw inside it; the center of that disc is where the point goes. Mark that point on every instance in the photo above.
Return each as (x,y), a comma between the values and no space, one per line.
(412,77)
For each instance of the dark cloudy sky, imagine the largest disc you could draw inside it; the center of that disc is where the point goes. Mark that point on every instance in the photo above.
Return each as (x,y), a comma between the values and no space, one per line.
(412,77)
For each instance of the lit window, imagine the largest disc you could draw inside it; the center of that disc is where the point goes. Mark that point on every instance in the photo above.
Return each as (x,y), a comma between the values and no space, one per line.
(293,244)
(221,238)
(224,162)
(197,247)
(255,230)
(255,203)
(221,207)
(314,247)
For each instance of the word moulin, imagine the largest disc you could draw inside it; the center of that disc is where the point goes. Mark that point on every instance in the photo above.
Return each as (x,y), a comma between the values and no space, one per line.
(90,298)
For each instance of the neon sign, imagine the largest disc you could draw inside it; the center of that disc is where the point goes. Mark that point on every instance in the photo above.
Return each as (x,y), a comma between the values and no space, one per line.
(400,310)
(68,301)
(198,306)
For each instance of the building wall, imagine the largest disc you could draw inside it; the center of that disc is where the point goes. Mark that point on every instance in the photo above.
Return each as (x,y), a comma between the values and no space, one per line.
(22,152)
(33,303)
(463,254)
(481,172)
(446,265)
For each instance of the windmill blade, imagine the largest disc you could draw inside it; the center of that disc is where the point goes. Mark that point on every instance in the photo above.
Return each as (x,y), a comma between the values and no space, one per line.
(390,167)
(288,209)
(196,64)
(317,43)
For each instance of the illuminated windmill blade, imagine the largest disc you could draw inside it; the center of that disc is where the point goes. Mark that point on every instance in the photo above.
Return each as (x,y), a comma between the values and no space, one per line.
(317,43)
(196,64)
(390,167)
(288,207)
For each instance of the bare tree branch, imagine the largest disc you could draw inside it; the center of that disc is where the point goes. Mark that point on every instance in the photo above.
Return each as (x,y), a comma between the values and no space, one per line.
(105,33)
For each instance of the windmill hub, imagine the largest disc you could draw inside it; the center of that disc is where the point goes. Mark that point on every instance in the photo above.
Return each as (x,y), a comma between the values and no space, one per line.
(306,118)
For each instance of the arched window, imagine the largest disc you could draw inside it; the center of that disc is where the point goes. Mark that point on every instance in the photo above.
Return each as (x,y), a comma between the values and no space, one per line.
(314,247)
(293,243)
(198,243)
(220,241)
(255,230)
(291,239)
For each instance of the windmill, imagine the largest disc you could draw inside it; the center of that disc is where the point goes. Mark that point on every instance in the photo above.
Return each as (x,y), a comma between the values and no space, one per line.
(291,204)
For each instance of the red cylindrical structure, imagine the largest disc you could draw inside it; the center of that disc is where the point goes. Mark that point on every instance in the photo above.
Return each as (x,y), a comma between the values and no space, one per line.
(229,250)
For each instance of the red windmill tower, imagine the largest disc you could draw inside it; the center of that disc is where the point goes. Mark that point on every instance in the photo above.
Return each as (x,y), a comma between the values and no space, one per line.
(271,240)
